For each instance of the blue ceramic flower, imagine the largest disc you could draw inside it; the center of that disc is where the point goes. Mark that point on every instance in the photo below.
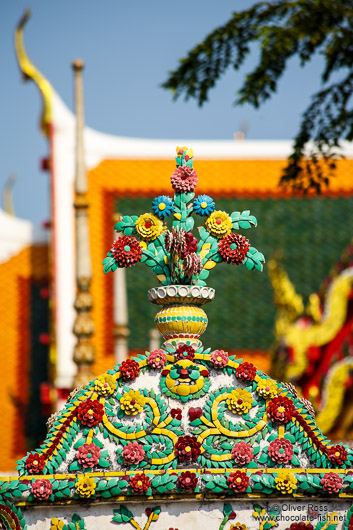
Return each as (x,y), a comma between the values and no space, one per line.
(162,206)
(204,205)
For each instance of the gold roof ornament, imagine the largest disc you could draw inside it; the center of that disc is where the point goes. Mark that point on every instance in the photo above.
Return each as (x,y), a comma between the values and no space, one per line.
(30,72)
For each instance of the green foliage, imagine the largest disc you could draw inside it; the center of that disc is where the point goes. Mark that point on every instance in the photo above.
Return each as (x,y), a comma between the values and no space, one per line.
(283,29)
(122,515)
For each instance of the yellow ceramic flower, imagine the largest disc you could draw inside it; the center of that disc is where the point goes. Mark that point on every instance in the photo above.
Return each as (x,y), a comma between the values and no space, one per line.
(104,385)
(56,524)
(149,227)
(85,486)
(239,401)
(238,526)
(132,402)
(219,224)
(267,388)
(285,481)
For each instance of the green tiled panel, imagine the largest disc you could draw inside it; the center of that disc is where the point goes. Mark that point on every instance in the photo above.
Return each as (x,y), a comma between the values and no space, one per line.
(311,235)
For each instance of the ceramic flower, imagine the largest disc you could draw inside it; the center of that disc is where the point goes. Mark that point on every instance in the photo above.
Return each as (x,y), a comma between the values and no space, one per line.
(132,402)
(176,413)
(239,401)
(90,412)
(187,481)
(238,526)
(337,454)
(285,481)
(85,486)
(187,448)
(149,227)
(42,489)
(233,248)
(219,224)
(194,413)
(238,481)
(331,482)
(267,388)
(184,154)
(162,206)
(281,451)
(192,264)
(105,385)
(129,370)
(242,453)
(184,179)
(280,409)
(139,483)
(219,359)
(190,245)
(246,371)
(126,251)
(184,351)
(133,453)
(204,205)
(35,463)
(88,455)
(157,359)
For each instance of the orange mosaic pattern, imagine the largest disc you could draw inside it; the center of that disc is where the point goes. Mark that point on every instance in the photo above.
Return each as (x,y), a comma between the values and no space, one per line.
(30,264)
(114,178)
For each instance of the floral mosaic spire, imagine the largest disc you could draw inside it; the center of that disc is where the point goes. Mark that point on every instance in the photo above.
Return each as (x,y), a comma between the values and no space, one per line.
(175,255)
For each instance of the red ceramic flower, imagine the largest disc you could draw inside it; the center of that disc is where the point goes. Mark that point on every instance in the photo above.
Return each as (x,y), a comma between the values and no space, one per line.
(337,454)
(246,371)
(194,414)
(281,409)
(157,359)
(176,413)
(281,451)
(331,482)
(219,359)
(129,370)
(42,489)
(242,453)
(238,481)
(184,179)
(35,463)
(190,245)
(301,526)
(88,455)
(133,453)
(126,251)
(184,351)
(90,412)
(187,481)
(233,248)
(139,483)
(187,448)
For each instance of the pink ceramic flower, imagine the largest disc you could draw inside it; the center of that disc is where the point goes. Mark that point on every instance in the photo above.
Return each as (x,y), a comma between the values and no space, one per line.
(133,453)
(184,179)
(242,453)
(331,482)
(281,451)
(88,455)
(42,489)
(219,359)
(157,359)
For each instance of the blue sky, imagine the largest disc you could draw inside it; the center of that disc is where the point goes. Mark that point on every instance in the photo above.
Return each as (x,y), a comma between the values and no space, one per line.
(128,48)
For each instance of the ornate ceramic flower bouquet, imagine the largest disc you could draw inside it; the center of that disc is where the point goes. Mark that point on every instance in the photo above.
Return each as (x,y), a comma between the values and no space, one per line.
(175,255)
